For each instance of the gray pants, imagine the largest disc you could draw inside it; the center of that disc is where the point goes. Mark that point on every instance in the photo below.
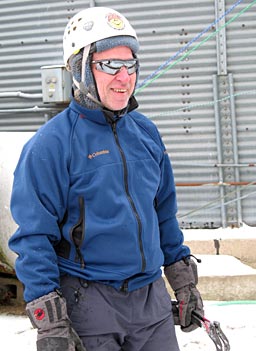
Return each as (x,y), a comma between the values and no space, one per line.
(110,320)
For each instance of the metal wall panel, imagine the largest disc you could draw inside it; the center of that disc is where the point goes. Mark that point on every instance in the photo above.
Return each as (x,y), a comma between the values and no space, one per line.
(180,101)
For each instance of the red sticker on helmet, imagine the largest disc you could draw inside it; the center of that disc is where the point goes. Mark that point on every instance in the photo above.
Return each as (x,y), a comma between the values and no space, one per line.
(39,314)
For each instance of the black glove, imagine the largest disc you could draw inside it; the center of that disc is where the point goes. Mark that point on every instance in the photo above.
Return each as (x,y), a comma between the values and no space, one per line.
(49,315)
(182,277)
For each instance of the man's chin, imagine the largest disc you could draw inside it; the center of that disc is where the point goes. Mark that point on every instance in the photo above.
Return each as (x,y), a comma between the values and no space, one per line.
(116,107)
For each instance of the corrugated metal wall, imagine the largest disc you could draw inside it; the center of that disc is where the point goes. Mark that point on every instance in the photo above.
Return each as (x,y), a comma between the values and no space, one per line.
(205,115)
(189,82)
(241,49)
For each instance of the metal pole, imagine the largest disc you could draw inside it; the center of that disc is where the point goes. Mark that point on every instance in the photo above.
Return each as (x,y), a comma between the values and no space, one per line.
(221,38)
(235,146)
(219,149)
(92,3)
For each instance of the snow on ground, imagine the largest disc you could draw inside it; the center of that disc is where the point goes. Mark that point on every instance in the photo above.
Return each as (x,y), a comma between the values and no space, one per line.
(238,321)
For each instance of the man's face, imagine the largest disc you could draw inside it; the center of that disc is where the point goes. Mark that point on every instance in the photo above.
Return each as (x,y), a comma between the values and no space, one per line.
(114,90)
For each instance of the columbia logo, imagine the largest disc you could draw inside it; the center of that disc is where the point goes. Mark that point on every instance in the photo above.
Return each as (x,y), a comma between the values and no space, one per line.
(98,153)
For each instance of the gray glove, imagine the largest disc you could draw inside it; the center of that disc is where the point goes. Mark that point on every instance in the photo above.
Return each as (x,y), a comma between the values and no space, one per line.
(49,315)
(182,277)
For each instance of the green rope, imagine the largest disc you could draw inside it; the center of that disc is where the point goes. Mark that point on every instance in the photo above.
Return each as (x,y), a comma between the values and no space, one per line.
(209,103)
(217,200)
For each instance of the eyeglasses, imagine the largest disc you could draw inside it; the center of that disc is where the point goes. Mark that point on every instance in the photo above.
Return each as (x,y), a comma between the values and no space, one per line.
(113,66)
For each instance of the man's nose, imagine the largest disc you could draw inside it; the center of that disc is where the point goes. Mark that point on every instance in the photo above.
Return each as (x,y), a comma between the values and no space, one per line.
(123,74)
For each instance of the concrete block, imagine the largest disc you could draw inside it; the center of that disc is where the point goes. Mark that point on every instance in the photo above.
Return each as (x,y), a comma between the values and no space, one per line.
(243,249)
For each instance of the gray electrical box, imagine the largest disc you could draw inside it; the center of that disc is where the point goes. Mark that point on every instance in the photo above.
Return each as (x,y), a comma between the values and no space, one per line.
(56,84)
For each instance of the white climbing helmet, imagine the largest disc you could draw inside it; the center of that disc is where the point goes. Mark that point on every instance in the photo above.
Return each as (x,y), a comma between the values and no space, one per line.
(91,25)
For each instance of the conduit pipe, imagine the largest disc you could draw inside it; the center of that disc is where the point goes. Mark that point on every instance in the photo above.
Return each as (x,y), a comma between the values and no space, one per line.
(11,94)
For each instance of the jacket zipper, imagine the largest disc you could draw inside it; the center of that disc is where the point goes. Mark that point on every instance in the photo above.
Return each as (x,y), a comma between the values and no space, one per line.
(143,260)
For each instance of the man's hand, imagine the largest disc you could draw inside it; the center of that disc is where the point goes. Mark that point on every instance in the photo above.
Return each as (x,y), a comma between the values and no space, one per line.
(49,315)
(182,277)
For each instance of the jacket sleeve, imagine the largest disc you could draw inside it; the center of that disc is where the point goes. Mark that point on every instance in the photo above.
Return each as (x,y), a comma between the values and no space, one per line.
(171,236)
(38,205)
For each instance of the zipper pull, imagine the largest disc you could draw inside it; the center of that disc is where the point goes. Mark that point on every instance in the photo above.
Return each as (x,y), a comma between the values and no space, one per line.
(113,126)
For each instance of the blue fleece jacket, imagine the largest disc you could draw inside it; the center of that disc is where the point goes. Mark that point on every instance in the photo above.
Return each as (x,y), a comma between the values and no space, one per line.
(94,197)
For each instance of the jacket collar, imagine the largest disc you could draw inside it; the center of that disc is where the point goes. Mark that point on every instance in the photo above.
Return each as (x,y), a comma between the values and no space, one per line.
(103,116)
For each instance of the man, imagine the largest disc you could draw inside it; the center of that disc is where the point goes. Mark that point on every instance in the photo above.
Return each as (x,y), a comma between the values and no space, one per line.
(95,204)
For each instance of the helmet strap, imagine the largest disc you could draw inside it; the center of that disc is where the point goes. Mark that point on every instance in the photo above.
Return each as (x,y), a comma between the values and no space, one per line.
(84,91)
(85,55)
